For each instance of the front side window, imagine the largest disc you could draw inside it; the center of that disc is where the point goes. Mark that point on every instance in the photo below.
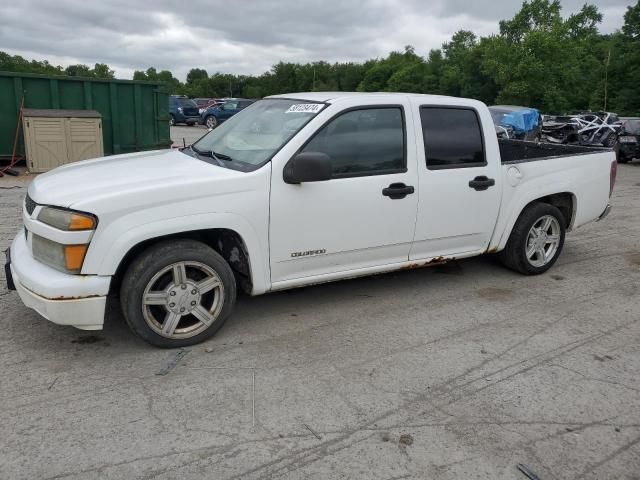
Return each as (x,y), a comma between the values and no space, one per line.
(452,138)
(368,141)
(256,133)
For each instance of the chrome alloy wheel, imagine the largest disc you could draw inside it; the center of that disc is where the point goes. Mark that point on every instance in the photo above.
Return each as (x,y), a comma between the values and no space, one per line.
(543,241)
(182,300)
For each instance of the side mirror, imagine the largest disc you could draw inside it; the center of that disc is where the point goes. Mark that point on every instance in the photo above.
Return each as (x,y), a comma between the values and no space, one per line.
(308,167)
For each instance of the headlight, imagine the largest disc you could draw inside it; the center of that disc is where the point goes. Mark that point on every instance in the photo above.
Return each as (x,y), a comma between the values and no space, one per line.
(67,219)
(66,258)
(180,109)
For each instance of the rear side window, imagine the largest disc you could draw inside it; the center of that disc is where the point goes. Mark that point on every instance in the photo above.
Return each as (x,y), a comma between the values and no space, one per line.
(363,142)
(452,138)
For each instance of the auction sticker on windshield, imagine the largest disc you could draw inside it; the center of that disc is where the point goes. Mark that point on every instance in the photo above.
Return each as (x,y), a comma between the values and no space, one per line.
(305,108)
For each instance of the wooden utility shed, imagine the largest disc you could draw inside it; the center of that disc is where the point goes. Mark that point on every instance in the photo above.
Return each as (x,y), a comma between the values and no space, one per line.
(54,137)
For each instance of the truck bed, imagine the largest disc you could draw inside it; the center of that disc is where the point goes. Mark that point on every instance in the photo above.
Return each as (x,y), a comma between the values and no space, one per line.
(518,151)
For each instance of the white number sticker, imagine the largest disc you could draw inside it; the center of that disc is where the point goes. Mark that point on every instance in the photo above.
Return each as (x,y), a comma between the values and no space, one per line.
(305,108)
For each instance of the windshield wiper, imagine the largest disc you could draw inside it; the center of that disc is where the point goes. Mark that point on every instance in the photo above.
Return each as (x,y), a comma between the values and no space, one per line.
(222,156)
(210,153)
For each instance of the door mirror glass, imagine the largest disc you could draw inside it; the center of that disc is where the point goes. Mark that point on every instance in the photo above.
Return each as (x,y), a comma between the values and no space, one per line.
(308,167)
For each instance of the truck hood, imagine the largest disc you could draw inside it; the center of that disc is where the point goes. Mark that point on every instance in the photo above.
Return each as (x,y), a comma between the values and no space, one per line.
(94,183)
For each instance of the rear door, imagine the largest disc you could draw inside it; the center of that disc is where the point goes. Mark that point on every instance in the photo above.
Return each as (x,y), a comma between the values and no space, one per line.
(460,185)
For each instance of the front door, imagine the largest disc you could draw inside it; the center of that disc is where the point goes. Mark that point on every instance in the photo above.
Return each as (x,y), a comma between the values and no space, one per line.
(365,215)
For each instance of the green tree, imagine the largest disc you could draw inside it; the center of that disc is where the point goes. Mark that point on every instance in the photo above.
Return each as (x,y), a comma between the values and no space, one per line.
(631,27)
(196,74)
(102,70)
(539,59)
(78,71)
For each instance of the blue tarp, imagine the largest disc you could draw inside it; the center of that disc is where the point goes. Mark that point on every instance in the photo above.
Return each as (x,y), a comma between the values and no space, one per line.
(522,121)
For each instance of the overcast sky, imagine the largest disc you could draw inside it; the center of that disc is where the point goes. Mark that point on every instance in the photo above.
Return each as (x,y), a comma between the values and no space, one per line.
(246,36)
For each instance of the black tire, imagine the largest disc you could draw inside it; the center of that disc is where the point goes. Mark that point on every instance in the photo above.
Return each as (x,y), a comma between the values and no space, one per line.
(172,120)
(514,255)
(151,263)
(211,121)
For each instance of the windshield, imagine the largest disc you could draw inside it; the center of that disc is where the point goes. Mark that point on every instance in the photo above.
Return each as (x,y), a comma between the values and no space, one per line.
(255,134)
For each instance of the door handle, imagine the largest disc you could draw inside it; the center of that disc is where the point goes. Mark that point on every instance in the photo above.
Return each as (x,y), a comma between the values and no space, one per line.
(396,191)
(481,183)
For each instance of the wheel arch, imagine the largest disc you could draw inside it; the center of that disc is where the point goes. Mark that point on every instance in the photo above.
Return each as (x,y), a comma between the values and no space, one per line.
(227,242)
(564,201)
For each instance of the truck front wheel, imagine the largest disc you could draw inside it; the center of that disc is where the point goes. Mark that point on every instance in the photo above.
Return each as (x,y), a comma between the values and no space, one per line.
(536,240)
(177,293)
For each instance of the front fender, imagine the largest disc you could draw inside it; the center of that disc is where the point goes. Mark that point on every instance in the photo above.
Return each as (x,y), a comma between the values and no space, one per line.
(111,245)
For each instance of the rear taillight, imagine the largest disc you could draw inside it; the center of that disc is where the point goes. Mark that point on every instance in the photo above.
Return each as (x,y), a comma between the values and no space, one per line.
(612,176)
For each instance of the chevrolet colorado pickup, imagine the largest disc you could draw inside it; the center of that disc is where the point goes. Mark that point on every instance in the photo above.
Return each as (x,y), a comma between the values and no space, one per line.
(295,190)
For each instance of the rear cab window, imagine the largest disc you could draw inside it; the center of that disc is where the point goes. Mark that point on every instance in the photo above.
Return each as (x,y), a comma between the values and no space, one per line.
(452,137)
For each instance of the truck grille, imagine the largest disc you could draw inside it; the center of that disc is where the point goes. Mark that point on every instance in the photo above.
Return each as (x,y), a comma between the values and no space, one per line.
(29,204)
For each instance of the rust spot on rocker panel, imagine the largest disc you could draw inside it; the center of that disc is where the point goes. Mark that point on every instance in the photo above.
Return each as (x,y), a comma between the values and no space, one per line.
(73,298)
(429,263)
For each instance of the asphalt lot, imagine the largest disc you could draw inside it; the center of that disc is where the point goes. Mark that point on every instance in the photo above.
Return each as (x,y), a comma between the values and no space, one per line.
(454,372)
(189,134)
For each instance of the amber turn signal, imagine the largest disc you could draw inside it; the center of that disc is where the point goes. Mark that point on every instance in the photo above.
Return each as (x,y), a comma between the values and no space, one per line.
(81,222)
(74,257)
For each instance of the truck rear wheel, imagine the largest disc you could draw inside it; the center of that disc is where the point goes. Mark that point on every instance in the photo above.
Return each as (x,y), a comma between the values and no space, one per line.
(177,293)
(536,240)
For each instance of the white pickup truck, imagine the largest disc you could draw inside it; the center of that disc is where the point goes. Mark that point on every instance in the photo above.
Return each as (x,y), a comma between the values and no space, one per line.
(295,190)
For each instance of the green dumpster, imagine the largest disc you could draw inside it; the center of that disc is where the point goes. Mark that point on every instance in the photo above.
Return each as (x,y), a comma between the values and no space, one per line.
(135,114)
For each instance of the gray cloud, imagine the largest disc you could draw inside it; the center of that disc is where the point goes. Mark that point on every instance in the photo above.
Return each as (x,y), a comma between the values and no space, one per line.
(248,36)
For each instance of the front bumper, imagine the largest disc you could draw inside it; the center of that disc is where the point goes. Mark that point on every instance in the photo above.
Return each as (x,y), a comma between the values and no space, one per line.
(629,150)
(76,300)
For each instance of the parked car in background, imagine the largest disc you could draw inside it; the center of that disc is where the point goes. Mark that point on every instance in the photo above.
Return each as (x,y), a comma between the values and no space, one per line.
(204,103)
(584,128)
(520,123)
(183,110)
(299,189)
(629,141)
(215,115)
